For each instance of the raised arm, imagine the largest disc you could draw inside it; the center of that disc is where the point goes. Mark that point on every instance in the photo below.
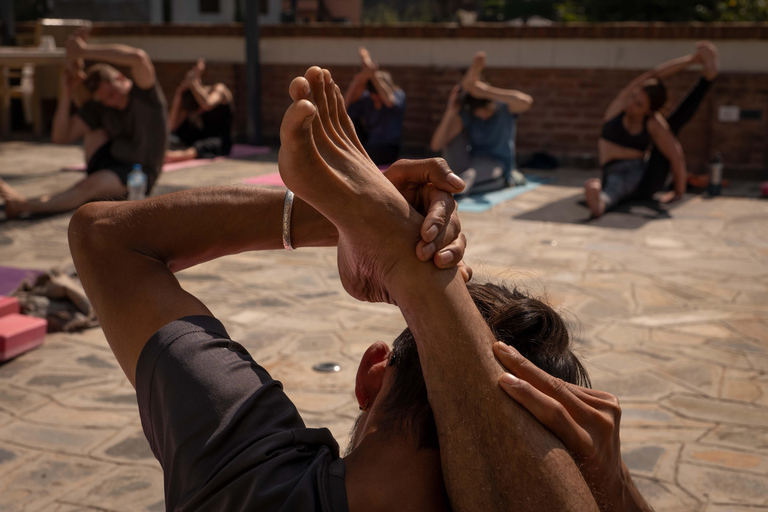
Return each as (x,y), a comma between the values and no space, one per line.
(66,127)
(142,69)
(355,88)
(450,124)
(210,98)
(176,114)
(660,72)
(671,148)
(517,102)
(135,247)
(374,75)
(489,462)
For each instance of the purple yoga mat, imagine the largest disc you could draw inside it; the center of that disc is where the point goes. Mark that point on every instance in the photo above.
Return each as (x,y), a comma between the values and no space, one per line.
(11,278)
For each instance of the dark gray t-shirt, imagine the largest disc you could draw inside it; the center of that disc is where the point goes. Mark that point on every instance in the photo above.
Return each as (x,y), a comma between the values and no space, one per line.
(225,433)
(139,132)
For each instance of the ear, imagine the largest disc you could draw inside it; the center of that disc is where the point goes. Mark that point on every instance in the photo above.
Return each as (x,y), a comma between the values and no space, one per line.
(370,373)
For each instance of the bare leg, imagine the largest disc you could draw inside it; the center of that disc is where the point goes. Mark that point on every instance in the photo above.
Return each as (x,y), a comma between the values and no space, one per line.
(99,185)
(592,189)
(321,161)
(180,155)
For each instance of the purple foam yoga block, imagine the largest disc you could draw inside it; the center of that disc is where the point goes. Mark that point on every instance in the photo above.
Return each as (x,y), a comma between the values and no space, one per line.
(20,333)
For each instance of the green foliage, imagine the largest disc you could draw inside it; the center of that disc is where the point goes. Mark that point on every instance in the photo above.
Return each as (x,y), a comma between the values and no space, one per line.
(663,10)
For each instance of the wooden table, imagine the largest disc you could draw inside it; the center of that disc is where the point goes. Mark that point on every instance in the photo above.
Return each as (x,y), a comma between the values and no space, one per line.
(17,57)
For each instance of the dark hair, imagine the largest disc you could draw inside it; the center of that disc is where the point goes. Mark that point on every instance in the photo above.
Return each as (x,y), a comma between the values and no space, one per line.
(189,102)
(370,87)
(536,330)
(98,73)
(657,93)
(471,103)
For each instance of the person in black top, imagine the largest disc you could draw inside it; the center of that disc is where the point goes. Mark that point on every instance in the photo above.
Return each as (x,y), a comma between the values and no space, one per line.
(200,120)
(437,430)
(633,126)
(133,114)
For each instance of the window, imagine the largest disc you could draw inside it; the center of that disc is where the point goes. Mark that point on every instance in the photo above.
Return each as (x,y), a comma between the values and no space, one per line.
(210,6)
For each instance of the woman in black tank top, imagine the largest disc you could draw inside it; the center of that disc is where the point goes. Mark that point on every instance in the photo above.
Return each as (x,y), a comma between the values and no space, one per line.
(200,119)
(633,126)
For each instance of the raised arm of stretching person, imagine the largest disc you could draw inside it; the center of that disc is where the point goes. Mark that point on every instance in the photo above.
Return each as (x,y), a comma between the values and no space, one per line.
(136,59)
(494,455)
(517,102)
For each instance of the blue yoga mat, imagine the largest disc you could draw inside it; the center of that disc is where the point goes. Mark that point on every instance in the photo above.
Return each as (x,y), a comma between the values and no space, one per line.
(477,203)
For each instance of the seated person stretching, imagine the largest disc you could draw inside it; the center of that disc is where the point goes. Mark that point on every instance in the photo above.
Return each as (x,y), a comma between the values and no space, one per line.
(633,127)
(200,120)
(132,114)
(377,108)
(225,433)
(478,129)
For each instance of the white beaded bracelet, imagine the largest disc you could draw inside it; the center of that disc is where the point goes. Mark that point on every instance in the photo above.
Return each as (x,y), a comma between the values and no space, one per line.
(287,209)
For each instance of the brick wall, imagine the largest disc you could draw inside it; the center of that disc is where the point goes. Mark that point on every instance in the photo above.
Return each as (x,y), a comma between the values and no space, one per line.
(565,119)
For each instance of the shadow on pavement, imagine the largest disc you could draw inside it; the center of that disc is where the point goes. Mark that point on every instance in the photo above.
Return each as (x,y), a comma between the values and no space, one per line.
(629,215)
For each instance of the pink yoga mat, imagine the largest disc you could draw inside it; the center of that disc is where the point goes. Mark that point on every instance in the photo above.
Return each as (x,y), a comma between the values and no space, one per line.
(274,180)
(238,151)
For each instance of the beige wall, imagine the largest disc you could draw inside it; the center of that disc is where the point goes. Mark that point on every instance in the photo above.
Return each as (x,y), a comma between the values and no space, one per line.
(735,55)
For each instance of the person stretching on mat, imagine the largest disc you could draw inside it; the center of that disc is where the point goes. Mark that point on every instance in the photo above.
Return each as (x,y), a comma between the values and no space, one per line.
(376,106)
(633,125)
(200,120)
(436,431)
(477,131)
(131,112)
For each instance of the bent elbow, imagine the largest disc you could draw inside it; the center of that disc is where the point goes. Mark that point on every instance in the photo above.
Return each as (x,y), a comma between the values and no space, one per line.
(88,231)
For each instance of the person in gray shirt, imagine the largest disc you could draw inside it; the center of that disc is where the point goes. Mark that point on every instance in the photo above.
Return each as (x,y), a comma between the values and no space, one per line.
(437,430)
(131,111)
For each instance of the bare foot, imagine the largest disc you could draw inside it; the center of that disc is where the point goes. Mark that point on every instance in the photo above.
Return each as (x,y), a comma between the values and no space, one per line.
(15,203)
(708,55)
(322,161)
(474,72)
(592,189)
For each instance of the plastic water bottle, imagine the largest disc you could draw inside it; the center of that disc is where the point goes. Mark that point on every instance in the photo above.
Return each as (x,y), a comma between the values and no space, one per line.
(715,175)
(137,184)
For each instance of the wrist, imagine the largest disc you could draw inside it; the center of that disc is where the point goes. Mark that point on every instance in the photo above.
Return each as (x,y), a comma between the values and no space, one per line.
(309,228)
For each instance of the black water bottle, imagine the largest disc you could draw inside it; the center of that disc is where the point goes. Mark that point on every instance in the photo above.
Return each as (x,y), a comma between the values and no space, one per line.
(715,175)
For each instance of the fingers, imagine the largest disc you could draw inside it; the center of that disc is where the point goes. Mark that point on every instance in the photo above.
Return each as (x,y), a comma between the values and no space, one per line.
(548,411)
(421,172)
(466,271)
(446,243)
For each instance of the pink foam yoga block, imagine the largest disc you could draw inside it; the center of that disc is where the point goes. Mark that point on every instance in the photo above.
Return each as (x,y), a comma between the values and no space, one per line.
(8,305)
(19,333)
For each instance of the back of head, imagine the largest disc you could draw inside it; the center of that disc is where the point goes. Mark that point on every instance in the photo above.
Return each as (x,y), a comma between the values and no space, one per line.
(657,93)
(98,73)
(537,331)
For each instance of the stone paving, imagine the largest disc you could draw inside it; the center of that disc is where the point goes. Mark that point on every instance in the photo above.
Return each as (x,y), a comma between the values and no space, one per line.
(672,317)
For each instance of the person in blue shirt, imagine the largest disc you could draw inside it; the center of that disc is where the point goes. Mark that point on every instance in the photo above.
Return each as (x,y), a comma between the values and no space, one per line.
(477,131)
(376,106)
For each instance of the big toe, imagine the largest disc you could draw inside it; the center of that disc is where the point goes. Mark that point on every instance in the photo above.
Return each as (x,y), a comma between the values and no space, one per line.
(295,131)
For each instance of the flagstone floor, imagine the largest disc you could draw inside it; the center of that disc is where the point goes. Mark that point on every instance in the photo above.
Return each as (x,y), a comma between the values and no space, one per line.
(671,316)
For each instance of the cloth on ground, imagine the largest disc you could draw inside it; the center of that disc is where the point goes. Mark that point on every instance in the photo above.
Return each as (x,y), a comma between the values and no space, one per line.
(57,296)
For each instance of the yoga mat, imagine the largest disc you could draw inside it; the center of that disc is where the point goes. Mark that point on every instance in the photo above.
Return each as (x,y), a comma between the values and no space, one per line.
(274,179)
(11,278)
(238,151)
(478,203)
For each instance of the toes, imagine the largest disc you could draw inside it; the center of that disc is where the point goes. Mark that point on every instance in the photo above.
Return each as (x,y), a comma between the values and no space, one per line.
(299,89)
(347,127)
(297,123)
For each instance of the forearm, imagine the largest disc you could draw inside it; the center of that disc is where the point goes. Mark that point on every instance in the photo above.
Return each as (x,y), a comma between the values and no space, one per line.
(440,137)
(673,67)
(119,54)
(61,119)
(354,91)
(174,116)
(515,99)
(201,95)
(495,455)
(679,174)
(386,93)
